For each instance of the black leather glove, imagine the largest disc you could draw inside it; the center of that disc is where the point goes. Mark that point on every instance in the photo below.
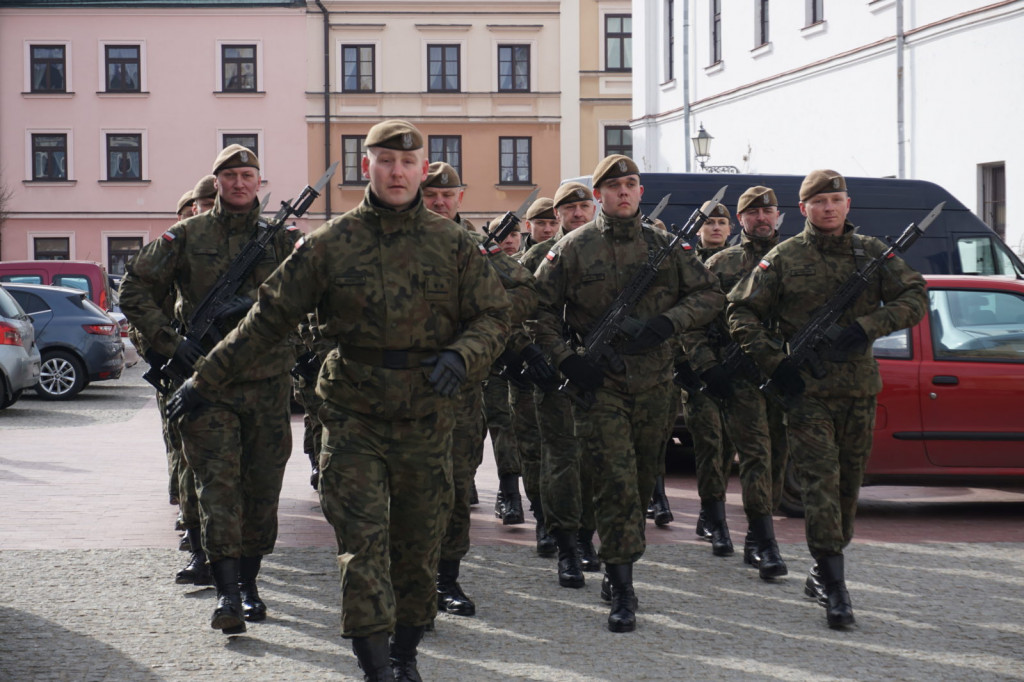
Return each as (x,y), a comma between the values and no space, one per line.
(449,372)
(185,401)
(582,372)
(685,377)
(188,353)
(306,368)
(538,369)
(717,382)
(852,339)
(787,377)
(655,331)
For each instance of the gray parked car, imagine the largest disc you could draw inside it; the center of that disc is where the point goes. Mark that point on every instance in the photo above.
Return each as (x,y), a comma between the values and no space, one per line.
(79,342)
(19,355)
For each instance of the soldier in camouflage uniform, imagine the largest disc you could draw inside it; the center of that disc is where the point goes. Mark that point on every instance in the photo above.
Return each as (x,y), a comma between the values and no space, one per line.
(831,422)
(625,426)
(205,193)
(311,349)
(237,447)
(755,428)
(415,312)
(443,191)
(566,487)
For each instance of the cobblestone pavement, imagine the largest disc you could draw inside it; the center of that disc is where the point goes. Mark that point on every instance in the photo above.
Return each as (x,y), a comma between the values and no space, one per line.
(87,565)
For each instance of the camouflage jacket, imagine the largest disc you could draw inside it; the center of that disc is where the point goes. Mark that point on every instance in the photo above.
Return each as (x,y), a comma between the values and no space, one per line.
(532,259)
(699,353)
(408,282)
(185,262)
(585,271)
(798,276)
(520,286)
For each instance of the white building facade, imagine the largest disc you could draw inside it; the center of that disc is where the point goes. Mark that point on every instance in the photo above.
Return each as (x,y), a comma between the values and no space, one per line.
(922,89)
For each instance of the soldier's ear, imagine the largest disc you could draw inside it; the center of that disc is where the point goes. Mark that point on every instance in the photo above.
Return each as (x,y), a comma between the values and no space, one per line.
(366,166)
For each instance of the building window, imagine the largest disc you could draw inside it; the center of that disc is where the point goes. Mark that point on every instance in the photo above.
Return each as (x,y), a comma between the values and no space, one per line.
(447,148)
(120,250)
(124,156)
(618,42)
(352,160)
(49,66)
(443,68)
(357,68)
(993,197)
(123,64)
(716,31)
(762,37)
(670,40)
(514,163)
(513,68)
(618,140)
(51,248)
(49,156)
(250,141)
(238,68)
(815,12)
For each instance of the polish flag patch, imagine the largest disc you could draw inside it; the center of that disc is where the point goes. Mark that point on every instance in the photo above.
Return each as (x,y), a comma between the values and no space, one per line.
(551,256)
(168,236)
(300,241)
(764,264)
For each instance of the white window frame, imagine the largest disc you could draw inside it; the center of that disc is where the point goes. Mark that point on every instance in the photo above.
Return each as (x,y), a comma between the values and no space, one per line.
(69,132)
(339,66)
(219,75)
(105,238)
(103,153)
(101,86)
(511,42)
(68,61)
(30,238)
(425,71)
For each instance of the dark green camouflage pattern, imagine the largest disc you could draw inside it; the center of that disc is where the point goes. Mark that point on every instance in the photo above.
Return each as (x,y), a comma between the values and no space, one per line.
(498,417)
(467,454)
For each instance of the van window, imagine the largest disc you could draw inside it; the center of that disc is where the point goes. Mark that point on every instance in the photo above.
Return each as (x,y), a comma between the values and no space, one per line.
(80,282)
(22,279)
(983,255)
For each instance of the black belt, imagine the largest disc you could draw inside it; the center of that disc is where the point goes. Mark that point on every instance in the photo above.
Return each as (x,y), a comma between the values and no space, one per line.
(388,359)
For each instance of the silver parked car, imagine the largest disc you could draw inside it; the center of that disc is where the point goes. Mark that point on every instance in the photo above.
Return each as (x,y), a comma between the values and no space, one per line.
(19,355)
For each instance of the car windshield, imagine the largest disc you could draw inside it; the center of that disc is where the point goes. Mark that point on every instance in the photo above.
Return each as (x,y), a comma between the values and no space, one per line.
(977,324)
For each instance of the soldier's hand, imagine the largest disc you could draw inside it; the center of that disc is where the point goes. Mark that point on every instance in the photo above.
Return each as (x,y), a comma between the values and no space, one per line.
(685,377)
(787,377)
(306,368)
(449,372)
(538,369)
(581,372)
(655,331)
(717,382)
(852,339)
(188,353)
(185,401)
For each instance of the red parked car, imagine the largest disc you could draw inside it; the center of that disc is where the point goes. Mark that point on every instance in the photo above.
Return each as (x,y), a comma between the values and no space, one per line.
(950,411)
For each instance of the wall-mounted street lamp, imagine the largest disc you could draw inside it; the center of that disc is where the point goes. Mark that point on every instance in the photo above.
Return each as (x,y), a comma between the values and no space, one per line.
(702,150)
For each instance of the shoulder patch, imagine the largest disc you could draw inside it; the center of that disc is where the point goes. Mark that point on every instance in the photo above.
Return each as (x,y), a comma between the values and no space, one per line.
(482,249)
(687,246)
(294,228)
(300,241)
(168,236)
(552,255)
(764,264)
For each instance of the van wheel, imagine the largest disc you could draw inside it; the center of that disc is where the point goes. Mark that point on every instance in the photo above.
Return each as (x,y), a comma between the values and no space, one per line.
(61,376)
(792,503)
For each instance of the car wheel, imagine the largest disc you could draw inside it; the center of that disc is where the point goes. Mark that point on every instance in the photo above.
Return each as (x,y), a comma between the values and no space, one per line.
(792,503)
(7,397)
(61,376)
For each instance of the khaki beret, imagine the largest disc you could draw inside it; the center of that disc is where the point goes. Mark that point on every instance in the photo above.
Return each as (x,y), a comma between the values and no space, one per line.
(235,156)
(720,211)
(440,174)
(614,166)
(185,200)
(394,134)
(820,181)
(205,188)
(756,197)
(542,209)
(570,193)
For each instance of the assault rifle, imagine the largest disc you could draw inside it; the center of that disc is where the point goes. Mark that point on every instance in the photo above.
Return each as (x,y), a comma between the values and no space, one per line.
(507,223)
(222,300)
(820,332)
(617,321)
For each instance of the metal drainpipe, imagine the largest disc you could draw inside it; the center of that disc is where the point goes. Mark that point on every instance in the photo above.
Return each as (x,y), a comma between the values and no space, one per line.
(686,83)
(900,144)
(327,102)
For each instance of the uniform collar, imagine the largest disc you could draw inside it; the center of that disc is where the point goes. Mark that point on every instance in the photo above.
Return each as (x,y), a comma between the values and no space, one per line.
(390,219)
(827,242)
(621,229)
(235,222)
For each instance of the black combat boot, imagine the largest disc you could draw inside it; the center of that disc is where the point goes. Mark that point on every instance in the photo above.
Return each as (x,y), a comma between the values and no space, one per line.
(662,515)
(838,610)
(374,655)
(623,614)
(721,543)
(403,653)
(509,504)
(450,596)
(770,564)
(813,587)
(570,572)
(702,526)
(750,553)
(589,561)
(197,571)
(227,617)
(546,545)
(253,607)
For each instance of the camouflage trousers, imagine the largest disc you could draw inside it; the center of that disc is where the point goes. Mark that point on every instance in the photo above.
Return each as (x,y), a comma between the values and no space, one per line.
(386,489)
(498,414)
(762,449)
(182,481)
(312,429)
(830,441)
(467,455)
(237,448)
(566,488)
(625,436)
(528,439)
(712,449)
